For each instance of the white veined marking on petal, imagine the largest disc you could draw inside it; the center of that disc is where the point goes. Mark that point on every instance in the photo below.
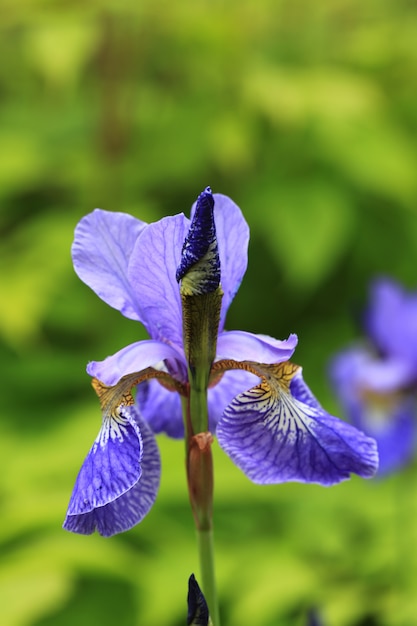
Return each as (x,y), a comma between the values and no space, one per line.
(286,416)
(113,427)
(299,415)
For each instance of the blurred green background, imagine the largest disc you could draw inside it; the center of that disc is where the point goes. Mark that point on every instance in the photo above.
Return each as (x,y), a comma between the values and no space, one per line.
(305,113)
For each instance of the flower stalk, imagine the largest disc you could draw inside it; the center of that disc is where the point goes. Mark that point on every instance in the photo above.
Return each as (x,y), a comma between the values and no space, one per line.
(201,298)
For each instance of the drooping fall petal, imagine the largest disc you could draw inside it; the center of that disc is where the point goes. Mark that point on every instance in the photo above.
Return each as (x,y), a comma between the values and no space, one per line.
(119,480)
(277,432)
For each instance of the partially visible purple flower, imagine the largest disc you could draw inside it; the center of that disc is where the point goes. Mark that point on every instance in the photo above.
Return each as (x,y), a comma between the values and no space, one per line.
(391,324)
(198,613)
(376,380)
(265,417)
(314,618)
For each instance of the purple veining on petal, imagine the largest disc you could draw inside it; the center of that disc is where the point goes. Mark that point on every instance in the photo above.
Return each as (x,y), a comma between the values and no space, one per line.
(152,268)
(276,438)
(128,509)
(111,467)
(221,395)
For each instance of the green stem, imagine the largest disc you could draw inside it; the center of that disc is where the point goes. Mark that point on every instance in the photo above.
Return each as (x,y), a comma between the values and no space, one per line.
(198,401)
(206,555)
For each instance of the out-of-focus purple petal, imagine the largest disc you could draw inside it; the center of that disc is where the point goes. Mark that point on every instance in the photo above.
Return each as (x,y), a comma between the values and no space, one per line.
(160,408)
(276,437)
(394,431)
(152,270)
(358,369)
(243,346)
(129,508)
(391,320)
(101,250)
(373,405)
(133,358)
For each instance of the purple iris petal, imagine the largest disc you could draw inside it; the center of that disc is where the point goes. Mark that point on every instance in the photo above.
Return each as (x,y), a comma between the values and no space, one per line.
(243,346)
(101,250)
(152,268)
(394,432)
(119,479)
(221,395)
(357,368)
(111,467)
(133,358)
(161,408)
(232,234)
(391,320)
(368,391)
(279,437)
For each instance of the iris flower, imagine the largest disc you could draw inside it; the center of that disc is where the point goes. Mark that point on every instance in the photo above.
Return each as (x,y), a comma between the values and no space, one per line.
(260,409)
(376,379)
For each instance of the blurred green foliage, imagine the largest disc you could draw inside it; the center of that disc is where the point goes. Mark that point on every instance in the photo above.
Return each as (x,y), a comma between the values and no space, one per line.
(305,113)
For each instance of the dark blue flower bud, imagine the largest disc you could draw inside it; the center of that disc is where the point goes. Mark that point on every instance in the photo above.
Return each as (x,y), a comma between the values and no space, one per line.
(198,614)
(199,269)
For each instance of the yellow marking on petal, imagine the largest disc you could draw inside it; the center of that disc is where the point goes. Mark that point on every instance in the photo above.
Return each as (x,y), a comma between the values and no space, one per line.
(113,396)
(385,400)
(275,374)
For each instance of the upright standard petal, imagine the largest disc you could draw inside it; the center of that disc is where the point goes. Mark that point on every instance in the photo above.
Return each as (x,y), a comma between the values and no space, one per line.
(101,251)
(152,269)
(232,234)
(391,321)
(122,512)
(277,432)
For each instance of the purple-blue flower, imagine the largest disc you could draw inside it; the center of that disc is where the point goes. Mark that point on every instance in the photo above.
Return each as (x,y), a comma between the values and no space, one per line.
(375,379)
(259,407)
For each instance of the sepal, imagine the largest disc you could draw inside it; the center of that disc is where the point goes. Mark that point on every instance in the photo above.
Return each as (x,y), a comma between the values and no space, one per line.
(278,432)
(117,513)
(119,479)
